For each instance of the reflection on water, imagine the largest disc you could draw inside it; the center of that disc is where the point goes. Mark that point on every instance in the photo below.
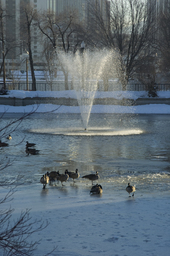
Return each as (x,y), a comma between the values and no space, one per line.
(121,148)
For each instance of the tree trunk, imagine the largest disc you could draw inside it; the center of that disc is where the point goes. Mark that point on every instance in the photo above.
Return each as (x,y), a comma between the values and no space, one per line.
(66,81)
(32,70)
(106,84)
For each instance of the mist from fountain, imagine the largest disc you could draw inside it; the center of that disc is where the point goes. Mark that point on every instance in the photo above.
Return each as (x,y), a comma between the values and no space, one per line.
(87,69)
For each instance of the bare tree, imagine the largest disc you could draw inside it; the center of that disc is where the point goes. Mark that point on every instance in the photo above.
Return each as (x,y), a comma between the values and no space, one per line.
(50,69)
(28,18)
(2,39)
(61,33)
(7,42)
(12,125)
(15,234)
(132,24)
(164,38)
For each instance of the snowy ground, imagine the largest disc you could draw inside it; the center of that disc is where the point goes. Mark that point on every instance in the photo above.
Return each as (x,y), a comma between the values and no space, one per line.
(109,225)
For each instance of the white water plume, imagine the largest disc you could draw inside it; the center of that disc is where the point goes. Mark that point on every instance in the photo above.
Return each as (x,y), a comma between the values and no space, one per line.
(87,69)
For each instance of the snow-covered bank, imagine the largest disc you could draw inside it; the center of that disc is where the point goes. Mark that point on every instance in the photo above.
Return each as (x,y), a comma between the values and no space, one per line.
(145,109)
(72,94)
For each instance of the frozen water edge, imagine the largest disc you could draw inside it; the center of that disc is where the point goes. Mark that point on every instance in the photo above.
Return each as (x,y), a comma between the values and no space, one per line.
(84,225)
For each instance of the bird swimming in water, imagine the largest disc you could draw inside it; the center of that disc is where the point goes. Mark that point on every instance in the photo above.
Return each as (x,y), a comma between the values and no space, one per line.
(3,144)
(30,144)
(9,137)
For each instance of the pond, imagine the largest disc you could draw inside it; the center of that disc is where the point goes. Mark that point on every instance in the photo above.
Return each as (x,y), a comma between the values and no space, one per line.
(122,148)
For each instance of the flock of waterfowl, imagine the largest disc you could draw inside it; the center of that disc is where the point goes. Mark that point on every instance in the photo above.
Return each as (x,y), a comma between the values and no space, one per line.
(53,176)
(29,149)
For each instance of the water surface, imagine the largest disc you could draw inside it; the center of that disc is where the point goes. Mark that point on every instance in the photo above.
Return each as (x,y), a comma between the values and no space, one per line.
(122,148)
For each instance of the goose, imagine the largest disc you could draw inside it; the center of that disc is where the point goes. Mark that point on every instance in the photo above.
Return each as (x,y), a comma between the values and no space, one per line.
(53,175)
(44,180)
(30,144)
(96,189)
(92,177)
(73,175)
(9,137)
(62,178)
(130,189)
(31,151)
(3,144)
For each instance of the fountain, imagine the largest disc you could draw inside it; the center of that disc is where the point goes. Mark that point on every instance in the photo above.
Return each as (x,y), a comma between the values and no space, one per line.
(87,69)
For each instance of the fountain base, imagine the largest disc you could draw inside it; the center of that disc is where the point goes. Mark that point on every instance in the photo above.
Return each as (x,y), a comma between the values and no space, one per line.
(92,131)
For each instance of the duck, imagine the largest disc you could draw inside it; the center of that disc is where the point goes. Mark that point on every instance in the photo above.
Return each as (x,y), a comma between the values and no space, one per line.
(96,189)
(62,178)
(44,180)
(130,189)
(30,144)
(31,151)
(9,137)
(73,175)
(3,144)
(92,177)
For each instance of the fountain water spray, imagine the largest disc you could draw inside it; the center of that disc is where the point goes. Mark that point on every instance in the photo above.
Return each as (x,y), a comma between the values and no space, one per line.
(87,69)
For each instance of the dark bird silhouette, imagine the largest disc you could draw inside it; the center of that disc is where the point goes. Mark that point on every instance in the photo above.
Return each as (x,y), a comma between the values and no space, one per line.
(31,151)
(3,144)
(30,144)
(91,177)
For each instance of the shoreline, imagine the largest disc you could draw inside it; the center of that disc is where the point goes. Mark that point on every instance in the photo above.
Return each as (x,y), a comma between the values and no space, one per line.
(69,98)
(96,109)
(14,101)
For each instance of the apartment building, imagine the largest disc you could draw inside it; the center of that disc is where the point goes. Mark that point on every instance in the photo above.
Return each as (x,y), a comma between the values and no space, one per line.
(12,21)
